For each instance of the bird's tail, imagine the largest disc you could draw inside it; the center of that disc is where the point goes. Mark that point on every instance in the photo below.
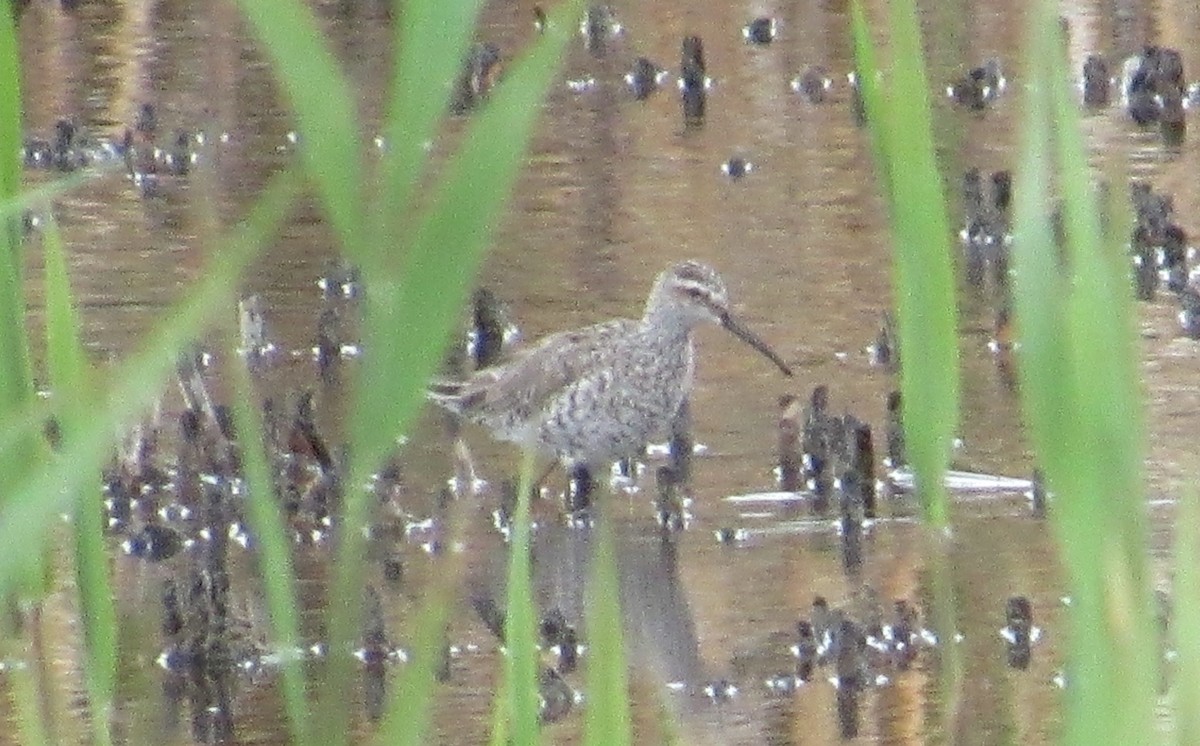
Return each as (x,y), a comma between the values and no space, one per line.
(446,394)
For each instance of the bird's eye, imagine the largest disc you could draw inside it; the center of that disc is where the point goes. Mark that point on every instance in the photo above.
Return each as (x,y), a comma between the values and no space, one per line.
(694,292)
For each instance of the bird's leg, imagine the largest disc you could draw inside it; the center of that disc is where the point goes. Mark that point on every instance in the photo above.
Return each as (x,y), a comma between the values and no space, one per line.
(626,469)
(681,443)
(669,501)
(579,492)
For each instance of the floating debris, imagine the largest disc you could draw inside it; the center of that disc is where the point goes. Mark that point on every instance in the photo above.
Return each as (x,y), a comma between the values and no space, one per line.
(850,521)
(375,646)
(862,464)
(1171,123)
(787,684)
(1019,633)
(154,543)
(645,78)
(721,690)
(816,443)
(663,450)
(341,279)
(1037,494)
(897,455)
(736,167)
(145,122)
(581,85)
(884,352)
(965,481)
(806,649)
(255,346)
(327,350)
(599,24)
(761,30)
(1150,81)
(693,80)
(1003,339)
(858,107)
(986,232)
(1095,82)
(979,87)
(790,462)
(493,330)
(765,497)
(726,535)
(556,698)
(303,439)
(479,75)
(814,83)
(562,639)
(179,159)
(1189,312)
(1158,245)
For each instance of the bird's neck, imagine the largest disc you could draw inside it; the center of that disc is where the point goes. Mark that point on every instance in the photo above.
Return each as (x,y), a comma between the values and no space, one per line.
(664,325)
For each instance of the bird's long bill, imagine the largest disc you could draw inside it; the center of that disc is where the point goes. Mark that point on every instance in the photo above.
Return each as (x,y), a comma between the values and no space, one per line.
(752,339)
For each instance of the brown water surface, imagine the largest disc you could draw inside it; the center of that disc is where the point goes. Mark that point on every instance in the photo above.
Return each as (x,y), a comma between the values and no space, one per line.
(614,191)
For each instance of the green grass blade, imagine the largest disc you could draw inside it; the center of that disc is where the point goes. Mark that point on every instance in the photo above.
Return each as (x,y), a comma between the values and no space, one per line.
(323,100)
(927,316)
(1038,288)
(1102,353)
(28,423)
(447,247)
(431,43)
(10,111)
(408,716)
(607,720)
(275,559)
(521,664)
(1103,329)
(36,198)
(68,372)
(901,129)
(1080,394)
(408,314)
(874,104)
(1185,626)
(1049,394)
(37,501)
(66,361)
(902,138)
(1101,318)
(21,437)
(26,694)
(16,378)
(1048,387)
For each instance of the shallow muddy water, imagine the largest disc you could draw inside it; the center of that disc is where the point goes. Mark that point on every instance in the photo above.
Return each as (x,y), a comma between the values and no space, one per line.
(616,189)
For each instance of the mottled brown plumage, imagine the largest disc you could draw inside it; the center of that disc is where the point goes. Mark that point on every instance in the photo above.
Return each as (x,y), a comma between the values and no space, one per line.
(597,394)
